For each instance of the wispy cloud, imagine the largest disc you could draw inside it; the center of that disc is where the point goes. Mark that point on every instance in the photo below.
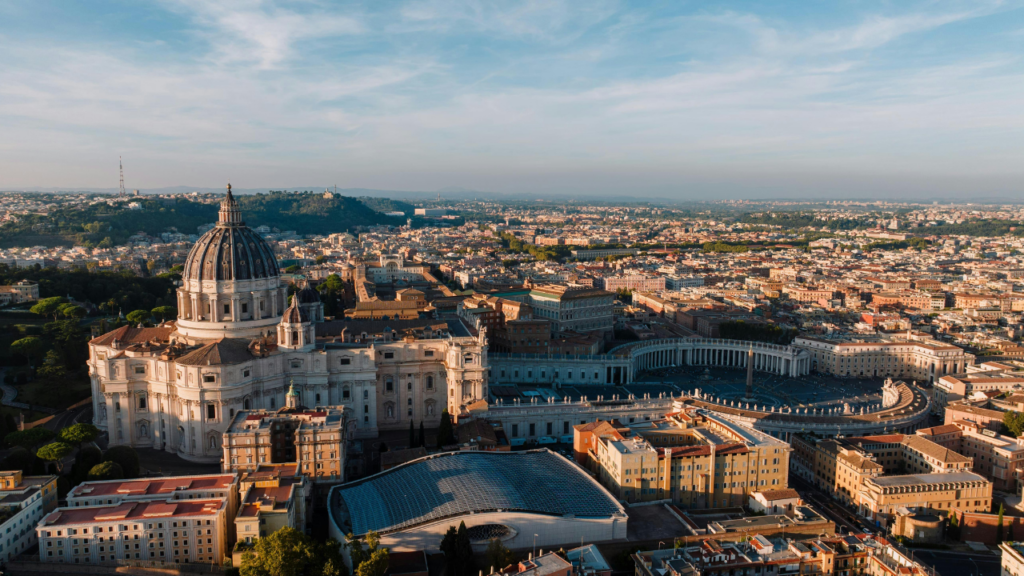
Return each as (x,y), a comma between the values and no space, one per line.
(434,93)
(261,31)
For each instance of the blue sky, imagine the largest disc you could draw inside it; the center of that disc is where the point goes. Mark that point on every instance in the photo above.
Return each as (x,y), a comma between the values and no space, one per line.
(674,99)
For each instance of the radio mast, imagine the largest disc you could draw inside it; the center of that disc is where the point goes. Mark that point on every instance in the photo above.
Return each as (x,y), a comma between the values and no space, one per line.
(120,166)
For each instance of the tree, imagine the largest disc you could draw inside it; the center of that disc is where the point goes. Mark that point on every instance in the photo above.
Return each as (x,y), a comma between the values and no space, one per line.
(55,452)
(106,471)
(78,434)
(288,552)
(449,547)
(164,312)
(412,435)
(29,347)
(138,316)
(356,552)
(497,555)
(85,459)
(445,434)
(72,311)
(1013,423)
(30,438)
(423,436)
(999,525)
(126,457)
(48,306)
(463,550)
(954,526)
(20,459)
(375,565)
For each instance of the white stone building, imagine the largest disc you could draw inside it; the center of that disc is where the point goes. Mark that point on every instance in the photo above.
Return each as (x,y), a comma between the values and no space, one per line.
(237,345)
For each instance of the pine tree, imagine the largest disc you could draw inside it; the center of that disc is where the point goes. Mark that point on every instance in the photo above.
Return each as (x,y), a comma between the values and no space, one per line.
(423,436)
(448,548)
(999,525)
(463,550)
(954,526)
(445,435)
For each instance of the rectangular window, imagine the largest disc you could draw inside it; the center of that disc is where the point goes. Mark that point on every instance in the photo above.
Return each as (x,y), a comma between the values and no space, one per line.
(211,411)
(227,308)
(345,361)
(245,307)
(389,355)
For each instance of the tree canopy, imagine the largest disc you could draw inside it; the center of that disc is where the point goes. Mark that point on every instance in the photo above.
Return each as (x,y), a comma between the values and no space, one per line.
(288,552)
(55,452)
(126,457)
(48,306)
(30,438)
(106,471)
(78,434)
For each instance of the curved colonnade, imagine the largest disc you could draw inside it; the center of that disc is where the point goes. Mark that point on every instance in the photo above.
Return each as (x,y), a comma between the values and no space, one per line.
(622,363)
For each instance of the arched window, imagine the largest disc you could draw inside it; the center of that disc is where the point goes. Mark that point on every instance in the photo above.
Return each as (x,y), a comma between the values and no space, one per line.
(346,394)
(142,402)
(430,382)
(389,384)
(247,404)
(295,337)
(318,399)
(366,394)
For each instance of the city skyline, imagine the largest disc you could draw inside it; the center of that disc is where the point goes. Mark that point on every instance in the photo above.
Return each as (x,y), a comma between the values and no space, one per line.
(615,99)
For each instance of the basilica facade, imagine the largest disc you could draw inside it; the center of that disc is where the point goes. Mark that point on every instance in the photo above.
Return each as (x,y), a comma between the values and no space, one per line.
(239,342)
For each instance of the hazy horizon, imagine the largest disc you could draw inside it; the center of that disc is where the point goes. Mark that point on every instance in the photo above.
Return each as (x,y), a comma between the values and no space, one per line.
(738,100)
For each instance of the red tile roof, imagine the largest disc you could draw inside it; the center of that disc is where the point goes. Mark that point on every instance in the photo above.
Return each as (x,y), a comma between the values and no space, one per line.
(133,511)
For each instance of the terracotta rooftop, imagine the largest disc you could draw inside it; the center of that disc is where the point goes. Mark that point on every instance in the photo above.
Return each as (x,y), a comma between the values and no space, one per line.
(132,511)
(152,487)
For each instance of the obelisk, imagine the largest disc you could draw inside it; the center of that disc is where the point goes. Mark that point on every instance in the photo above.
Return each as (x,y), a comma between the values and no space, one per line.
(750,374)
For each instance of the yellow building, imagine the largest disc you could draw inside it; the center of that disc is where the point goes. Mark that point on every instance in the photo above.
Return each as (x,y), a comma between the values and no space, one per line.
(696,459)
(882,497)
(273,497)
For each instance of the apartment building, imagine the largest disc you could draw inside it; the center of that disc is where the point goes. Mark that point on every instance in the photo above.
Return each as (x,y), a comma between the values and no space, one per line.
(842,466)
(940,493)
(173,531)
(954,388)
(692,457)
(854,555)
(914,357)
(275,496)
(641,282)
(24,500)
(313,438)
(995,456)
(569,308)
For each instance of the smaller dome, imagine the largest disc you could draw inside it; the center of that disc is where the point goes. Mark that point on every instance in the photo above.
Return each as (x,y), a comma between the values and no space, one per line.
(308,296)
(294,314)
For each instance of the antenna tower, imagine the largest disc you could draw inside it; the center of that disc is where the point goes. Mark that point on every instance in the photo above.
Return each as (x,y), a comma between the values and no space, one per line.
(120,166)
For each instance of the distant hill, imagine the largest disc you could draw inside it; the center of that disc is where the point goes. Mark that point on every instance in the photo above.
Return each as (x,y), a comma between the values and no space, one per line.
(388,205)
(105,225)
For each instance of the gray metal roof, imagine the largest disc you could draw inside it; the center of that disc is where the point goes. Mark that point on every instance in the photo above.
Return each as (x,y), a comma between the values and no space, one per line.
(916,479)
(457,483)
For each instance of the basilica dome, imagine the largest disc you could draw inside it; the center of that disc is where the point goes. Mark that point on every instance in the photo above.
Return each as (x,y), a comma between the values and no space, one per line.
(230,250)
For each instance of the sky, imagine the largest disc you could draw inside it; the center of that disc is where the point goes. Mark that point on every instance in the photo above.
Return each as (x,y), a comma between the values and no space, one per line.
(677,99)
